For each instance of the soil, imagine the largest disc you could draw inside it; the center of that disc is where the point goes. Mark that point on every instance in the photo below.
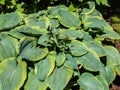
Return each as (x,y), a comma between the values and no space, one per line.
(116,84)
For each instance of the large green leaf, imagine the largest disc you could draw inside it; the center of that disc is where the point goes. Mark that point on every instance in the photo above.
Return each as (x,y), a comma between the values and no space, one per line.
(54,22)
(33,83)
(44,40)
(53,11)
(108,73)
(16,34)
(60,58)
(27,30)
(77,48)
(12,74)
(8,47)
(96,46)
(70,34)
(103,81)
(90,61)
(110,34)
(59,78)
(30,51)
(10,20)
(88,82)
(45,67)
(96,22)
(68,19)
(113,56)
(71,62)
(42,23)
(90,9)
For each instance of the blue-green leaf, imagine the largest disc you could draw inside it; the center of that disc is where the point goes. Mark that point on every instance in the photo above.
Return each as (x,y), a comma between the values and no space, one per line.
(60,58)
(70,34)
(12,75)
(77,48)
(96,46)
(27,30)
(10,20)
(71,62)
(88,82)
(29,50)
(33,83)
(8,47)
(108,73)
(59,78)
(68,19)
(45,67)
(90,61)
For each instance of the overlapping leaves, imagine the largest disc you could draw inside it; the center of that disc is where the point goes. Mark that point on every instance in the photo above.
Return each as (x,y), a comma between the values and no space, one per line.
(55,46)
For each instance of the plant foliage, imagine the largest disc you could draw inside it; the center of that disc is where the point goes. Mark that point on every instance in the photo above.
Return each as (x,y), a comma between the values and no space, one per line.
(35,5)
(57,49)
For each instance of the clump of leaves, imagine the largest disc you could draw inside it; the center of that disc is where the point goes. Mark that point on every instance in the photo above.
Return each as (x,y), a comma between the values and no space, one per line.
(57,49)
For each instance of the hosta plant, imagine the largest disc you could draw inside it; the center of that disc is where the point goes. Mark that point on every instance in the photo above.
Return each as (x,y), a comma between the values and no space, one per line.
(57,49)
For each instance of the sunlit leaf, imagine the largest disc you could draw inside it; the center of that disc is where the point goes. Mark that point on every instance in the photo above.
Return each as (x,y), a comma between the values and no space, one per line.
(45,67)
(108,73)
(10,20)
(68,19)
(29,50)
(88,82)
(103,81)
(33,83)
(12,75)
(8,47)
(113,56)
(77,48)
(71,62)
(90,61)
(70,34)
(60,58)
(59,78)
(96,46)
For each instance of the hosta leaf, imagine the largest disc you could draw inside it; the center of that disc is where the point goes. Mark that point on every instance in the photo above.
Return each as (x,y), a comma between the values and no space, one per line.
(90,9)
(70,34)
(27,30)
(96,22)
(39,13)
(77,48)
(30,52)
(90,61)
(108,73)
(60,58)
(68,19)
(42,23)
(110,34)
(117,68)
(33,83)
(59,78)
(113,56)
(88,82)
(16,34)
(103,81)
(54,23)
(96,46)
(8,47)
(44,40)
(10,20)
(71,62)
(45,67)
(53,11)
(12,75)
